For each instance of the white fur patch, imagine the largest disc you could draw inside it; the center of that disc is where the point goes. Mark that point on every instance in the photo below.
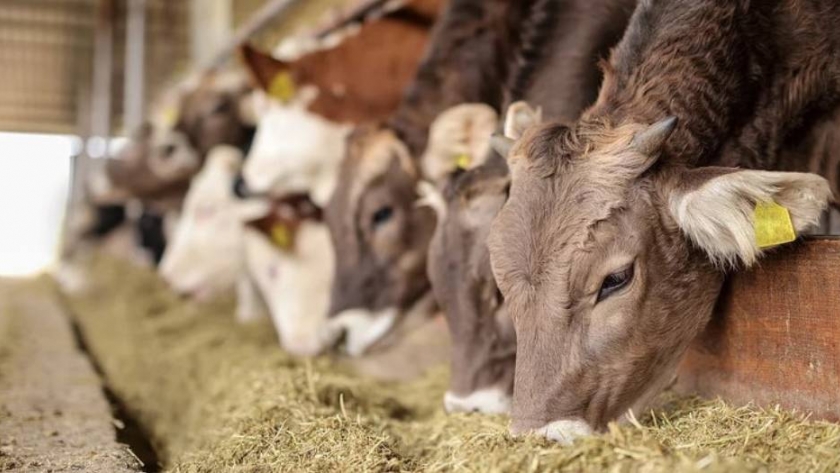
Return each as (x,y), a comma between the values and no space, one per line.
(718,216)
(293,151)
(361,328)
(463,130)
(487,401)
(519,117)
(205,255)
(565,431)
(295,286)
(431,197)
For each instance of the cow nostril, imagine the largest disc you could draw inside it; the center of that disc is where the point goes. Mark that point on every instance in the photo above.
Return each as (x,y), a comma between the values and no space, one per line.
(168,151)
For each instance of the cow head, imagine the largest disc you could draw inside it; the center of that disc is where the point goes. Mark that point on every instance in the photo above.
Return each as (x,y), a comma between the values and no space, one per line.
(205,256)
(610,262)
(309,104)
(471,193)
(381,237)
(294,149)
(161,157)
(289,256)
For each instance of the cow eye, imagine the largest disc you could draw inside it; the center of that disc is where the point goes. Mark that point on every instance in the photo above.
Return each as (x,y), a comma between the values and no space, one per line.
(615,282)
(381,216)
(168,151)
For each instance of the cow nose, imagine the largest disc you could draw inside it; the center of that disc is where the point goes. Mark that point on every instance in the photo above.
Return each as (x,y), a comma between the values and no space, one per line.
(240,187)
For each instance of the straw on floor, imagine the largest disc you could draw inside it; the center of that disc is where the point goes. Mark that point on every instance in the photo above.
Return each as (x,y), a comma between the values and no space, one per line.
(215,396)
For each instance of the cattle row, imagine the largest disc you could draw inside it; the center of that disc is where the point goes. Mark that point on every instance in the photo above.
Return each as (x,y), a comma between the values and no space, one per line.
(568,181)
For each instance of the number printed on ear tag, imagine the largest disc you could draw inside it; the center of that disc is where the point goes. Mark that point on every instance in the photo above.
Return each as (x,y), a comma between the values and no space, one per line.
(772,225)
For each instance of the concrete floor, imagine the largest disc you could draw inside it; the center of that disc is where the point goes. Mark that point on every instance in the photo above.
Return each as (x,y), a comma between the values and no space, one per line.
(54,416)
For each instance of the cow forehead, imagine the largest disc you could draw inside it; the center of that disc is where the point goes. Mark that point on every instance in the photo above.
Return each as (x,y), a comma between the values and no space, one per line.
(371,156)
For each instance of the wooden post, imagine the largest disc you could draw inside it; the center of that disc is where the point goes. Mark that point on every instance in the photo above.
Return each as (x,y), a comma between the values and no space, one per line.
(775,337)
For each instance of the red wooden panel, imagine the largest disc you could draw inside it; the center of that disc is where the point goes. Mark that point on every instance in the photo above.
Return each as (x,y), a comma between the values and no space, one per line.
(775,338)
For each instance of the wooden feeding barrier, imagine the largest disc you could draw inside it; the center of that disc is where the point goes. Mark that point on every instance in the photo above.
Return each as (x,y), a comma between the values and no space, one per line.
(775,335)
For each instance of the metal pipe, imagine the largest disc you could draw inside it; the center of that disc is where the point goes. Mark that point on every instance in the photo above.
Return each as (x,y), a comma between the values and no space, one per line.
(135,70)
(259,20)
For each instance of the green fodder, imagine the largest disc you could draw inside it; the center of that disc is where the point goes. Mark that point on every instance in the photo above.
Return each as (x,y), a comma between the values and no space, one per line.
(215,396)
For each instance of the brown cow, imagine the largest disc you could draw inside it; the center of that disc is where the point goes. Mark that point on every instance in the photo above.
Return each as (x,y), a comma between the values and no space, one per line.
(158,163)
(381,236)
(570,37)
(612,246)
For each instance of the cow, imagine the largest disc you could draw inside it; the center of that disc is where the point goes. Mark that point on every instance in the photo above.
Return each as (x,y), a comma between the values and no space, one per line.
(612,247)
(307,106)
(289,260)
(275,253)
(206,257)
(558,69)
(208,110)
(381,236)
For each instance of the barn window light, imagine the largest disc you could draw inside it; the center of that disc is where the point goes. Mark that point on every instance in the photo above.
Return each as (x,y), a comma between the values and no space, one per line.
(35,173)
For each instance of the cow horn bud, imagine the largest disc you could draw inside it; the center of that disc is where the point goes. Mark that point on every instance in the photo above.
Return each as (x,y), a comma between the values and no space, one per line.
(501,144)
(650,141)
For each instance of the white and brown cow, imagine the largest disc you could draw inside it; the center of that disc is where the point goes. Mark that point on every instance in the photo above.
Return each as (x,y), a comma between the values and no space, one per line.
(613,245)
(307,106)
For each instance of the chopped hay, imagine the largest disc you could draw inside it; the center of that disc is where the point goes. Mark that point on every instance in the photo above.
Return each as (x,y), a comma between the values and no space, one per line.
(215,396)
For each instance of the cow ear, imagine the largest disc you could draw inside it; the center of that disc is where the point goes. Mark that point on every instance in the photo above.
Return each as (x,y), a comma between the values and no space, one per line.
(734,215)
(262,67)
(521,116)
(459,139)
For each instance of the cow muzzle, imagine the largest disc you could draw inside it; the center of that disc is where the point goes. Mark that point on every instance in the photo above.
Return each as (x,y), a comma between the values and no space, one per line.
(358,329)
(486,401)
(564,431)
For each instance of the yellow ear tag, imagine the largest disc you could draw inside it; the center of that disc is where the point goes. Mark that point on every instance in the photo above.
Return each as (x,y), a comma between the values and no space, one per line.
(282,87)
(281,235)
(170,117)
(462,161)
(772,225)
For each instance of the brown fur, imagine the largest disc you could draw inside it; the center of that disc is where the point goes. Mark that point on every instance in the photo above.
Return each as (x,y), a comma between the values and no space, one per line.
(746,80)
(207,116)
(359,80)
(385,266)
(556,69)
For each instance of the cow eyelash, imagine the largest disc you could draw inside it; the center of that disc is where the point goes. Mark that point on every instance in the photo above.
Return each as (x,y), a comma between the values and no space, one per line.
(615,282)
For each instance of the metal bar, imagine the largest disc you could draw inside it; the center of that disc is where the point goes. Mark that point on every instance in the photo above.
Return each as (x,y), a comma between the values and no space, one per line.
(135,70)
(271,10)
(103,65)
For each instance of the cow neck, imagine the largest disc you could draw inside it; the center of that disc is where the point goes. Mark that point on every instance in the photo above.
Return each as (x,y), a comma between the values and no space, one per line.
(468,61)
(287,215)
(691,66)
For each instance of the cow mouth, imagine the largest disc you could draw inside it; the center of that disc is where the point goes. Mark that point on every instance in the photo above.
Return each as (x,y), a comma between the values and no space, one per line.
(360,331)
(487,401)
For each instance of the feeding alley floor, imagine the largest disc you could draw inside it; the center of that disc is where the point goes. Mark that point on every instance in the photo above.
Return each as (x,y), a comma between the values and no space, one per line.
(213,396)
